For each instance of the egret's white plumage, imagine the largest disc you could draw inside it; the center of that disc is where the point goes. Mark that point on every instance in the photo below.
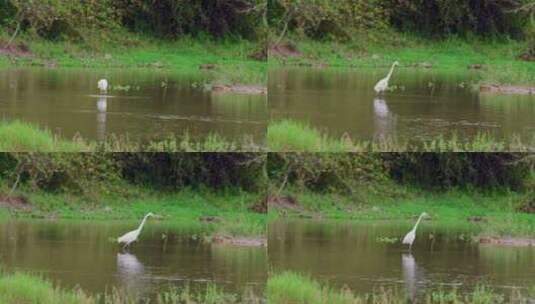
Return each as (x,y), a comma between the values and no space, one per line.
(382,85)
(409,238)
(131,236)
(103,85)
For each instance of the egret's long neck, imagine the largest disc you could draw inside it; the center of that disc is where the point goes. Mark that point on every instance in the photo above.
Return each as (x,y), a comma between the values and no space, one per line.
(142,222)
(391,71)
(417,222)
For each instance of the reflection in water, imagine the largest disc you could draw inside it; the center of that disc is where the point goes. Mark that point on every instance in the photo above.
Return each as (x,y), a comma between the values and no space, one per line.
(384,120)
(411,275)
(130,272)
(101,117)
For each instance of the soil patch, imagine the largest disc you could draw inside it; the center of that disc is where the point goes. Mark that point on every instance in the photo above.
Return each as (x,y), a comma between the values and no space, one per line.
(261,206)
(284,50)
(506,89)
(240,89)
(283,202)
(260,55)
(239,241)
(506,241)
(15,202)
(15,49)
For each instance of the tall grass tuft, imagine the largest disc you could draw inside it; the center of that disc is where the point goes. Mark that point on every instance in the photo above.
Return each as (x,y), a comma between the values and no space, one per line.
(288,135)
(289,287)
(24,137)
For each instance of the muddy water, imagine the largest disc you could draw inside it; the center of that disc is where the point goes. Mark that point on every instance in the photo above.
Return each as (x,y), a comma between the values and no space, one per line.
(142,104)
(356,255)
(425,104)
(85,255)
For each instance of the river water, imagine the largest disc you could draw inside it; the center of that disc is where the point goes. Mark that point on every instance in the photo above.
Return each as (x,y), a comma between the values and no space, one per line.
(142,104)
(85,254)
(359,255)
(426,104)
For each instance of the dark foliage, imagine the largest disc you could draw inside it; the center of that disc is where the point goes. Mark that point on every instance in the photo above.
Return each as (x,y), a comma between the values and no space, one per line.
(173,18)
(445,17)
(446,170)
(178,170)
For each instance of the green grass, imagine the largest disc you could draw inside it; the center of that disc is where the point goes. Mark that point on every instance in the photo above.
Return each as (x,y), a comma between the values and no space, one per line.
(290,287)
(498,57)
(294,136)
(20,287)
(453,208)
(18,136)
(24,288)
(182,210)
(288,135)
(231,58)
(23,137)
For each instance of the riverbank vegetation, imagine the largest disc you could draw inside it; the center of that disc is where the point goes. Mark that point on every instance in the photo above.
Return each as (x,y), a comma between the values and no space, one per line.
(289,287)
(21,287)
(18,136)
(281,136)
(493,37)
(187,36)
(217,193)
(491,192)
(294,136)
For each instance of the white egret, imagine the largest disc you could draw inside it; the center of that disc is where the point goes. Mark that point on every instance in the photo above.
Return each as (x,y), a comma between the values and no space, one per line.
(131,236)
(103,85)
(382,85)
(409,238)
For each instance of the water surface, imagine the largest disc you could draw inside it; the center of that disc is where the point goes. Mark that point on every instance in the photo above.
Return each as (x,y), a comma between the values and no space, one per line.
(142,104)
(354,254)
(85,254)
(426,104)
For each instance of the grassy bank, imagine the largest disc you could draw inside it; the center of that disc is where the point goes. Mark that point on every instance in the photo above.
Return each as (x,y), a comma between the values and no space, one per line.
(495,213)
(288,287)
(25,288)
(18,136)
(21,136)
(214,212)
(497,60)
(293,136)
(227,61)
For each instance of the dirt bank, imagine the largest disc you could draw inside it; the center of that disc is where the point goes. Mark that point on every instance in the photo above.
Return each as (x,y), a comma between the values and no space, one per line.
(15,202)
(239,240)
(506,241)
(239,89)
(506,89)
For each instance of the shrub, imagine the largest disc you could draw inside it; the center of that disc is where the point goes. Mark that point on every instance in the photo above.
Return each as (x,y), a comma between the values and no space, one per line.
(445,170)
(445,17)
(334,172)
(54,19)
(172,18)
(321,19)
